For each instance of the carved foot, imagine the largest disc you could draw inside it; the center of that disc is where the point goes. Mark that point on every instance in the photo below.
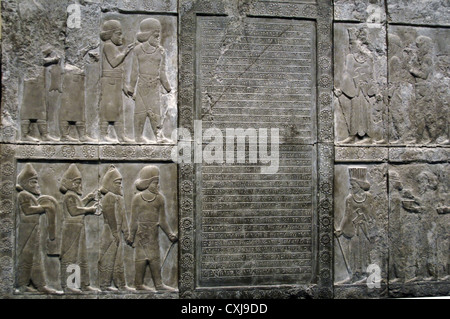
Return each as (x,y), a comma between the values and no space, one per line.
(126,140)
(68,138)
(50,291)
(86,138)
(144,288)
(344,282)
(107,139)
(48,138)
(383,141)
(72,290)
(111,288)
(365,140)
(127,288)
(142,140)
(415,279)
(90,289)
(348,140)
(164,288)
(29,138)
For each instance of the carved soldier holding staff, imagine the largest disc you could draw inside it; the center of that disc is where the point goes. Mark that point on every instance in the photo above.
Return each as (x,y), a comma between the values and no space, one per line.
(354,226)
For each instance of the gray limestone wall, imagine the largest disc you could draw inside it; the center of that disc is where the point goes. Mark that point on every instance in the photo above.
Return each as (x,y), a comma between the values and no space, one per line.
(224,149)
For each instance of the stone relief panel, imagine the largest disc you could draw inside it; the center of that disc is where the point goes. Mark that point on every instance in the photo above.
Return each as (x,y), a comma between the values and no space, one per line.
(147,85)
(22,55)
(87,229)
(360,87)
(235,77)
(432,12)
(418,85)
(266,252)
(371,12)
(89,195)
(418,224)
(111,79)
(361,224)
(144,5)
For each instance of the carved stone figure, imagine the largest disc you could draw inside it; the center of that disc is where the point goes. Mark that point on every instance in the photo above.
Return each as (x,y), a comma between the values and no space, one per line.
(73,105)
(399,84)
(424,259)
(354,227)
(52,61)
(148,214)
(356,90)
(34,109)
(424,110)
(30,269)
(399,249)
(110,263)
(148,73)
(111,105)
(73,245)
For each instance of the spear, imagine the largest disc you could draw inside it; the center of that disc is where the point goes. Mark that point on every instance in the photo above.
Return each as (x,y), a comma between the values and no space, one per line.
(342,251)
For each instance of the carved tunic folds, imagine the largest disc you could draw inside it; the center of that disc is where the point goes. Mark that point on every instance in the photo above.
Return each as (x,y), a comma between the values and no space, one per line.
(358,87)
(149,66)
(112,80)
(355,227)
(73,99)
(33,104)
(145,213)
(28,240)
(73,246)
(111,247)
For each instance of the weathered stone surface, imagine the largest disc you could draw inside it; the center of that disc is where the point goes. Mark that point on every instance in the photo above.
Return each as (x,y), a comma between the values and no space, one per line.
(433,12)
(419,225)
(99,199)
(372,12)
(361,224)
(105,207)
(418,82)
(360,97)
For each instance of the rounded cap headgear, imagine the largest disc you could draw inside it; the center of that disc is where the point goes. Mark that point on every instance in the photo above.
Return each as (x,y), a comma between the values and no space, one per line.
(146,176)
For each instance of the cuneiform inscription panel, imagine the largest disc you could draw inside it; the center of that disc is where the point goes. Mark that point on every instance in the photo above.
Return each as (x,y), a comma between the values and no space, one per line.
(258,74)
(257,229)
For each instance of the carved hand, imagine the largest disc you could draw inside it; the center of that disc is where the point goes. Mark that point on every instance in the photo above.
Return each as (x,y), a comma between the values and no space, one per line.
(173,238)
(128,90)
(92,210)
(130,48)
(338,92)
(338,232)
(98,213)
(90,197)
(129,241)
(46,207)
